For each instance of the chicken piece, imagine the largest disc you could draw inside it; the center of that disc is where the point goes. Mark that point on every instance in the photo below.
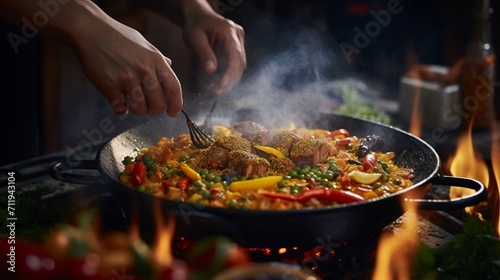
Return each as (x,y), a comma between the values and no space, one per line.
(284,141)
(218,152)
(281,165)
(246,164)
(311,152)
(253,132)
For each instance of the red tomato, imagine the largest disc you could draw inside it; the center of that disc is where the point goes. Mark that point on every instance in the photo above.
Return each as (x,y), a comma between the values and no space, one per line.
(213,164)
(183,183)
(178,270)
(369,161)
(32,261)
(339,132)
(86,268)
(139,173)
(216,253)
(345,180)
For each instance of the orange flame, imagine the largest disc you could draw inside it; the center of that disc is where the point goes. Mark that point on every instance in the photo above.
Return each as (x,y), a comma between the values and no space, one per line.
(467,162)
(162,251)
(395,251)
(415,121)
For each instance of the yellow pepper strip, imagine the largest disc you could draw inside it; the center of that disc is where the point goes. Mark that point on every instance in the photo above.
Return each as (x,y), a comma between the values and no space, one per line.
(255,184)
(189,172)
(363,177)
(270,150)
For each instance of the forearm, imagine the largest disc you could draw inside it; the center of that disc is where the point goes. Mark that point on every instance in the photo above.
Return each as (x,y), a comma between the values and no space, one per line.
(65,21)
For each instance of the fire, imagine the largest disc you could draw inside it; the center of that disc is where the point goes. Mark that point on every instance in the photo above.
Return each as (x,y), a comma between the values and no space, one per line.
(395,251)
(415,121)
(467,162)
(162,251)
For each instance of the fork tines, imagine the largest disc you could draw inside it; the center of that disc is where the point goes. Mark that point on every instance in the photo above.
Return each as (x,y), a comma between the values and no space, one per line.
(200,139)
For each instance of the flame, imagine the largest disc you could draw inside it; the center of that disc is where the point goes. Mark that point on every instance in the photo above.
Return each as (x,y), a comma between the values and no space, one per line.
(162,250)
(467,162)
(395,251)
(415,121)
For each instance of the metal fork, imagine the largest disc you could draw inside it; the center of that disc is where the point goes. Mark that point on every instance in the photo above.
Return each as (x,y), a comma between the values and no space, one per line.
(200,139)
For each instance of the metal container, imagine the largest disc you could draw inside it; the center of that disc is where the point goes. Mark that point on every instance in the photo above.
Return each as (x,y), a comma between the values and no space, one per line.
(438,106)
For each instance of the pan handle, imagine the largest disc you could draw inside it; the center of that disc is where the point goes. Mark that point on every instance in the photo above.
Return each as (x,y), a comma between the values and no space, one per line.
(479,195)
(85,173)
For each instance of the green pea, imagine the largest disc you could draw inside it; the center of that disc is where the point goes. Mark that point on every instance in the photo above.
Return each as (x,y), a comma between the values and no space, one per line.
(141,188)
(232,204)
(210,177)
(197,183)
(397,182)
(281,184)
(293,173)
(123,174)
(210,185)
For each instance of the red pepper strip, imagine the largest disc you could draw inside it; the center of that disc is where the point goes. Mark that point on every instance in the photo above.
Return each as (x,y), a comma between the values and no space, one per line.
(166,156)
(138,173)
(338,132)
(328,195)
(283,196)
(311,182)
(344,142)
(369,161)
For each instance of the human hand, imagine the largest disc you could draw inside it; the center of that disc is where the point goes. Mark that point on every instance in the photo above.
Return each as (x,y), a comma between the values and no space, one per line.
(129,71)
(218,44)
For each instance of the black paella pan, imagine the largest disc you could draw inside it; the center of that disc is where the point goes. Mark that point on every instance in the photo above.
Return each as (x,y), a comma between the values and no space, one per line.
(277,228)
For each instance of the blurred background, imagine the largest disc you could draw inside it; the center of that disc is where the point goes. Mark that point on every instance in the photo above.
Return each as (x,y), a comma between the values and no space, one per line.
(295,50)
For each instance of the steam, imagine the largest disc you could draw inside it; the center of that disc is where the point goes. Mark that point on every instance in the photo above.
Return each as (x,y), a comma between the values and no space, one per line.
(280,88)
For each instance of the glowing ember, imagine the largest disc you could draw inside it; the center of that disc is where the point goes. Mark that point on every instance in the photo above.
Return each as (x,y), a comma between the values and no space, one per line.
(467,162)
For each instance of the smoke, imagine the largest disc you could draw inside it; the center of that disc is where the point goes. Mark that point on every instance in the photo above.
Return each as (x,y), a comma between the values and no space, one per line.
(285,85)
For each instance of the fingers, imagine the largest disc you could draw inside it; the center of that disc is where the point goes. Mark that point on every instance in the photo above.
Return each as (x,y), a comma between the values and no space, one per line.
(236,62)
(205,53)
(171,88)
(157,92)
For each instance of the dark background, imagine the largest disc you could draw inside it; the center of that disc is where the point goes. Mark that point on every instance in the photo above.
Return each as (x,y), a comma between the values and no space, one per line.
(426,32)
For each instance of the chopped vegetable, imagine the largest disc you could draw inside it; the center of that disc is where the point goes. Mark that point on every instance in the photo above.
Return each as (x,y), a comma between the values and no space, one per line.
(364,177)
(339,133)
(369,161)
(255,184)
(139,174)
(270,150)
(189,172)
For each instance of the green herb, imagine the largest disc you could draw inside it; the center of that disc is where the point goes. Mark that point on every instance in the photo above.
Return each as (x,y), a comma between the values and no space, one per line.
(471,254)
(33,221)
